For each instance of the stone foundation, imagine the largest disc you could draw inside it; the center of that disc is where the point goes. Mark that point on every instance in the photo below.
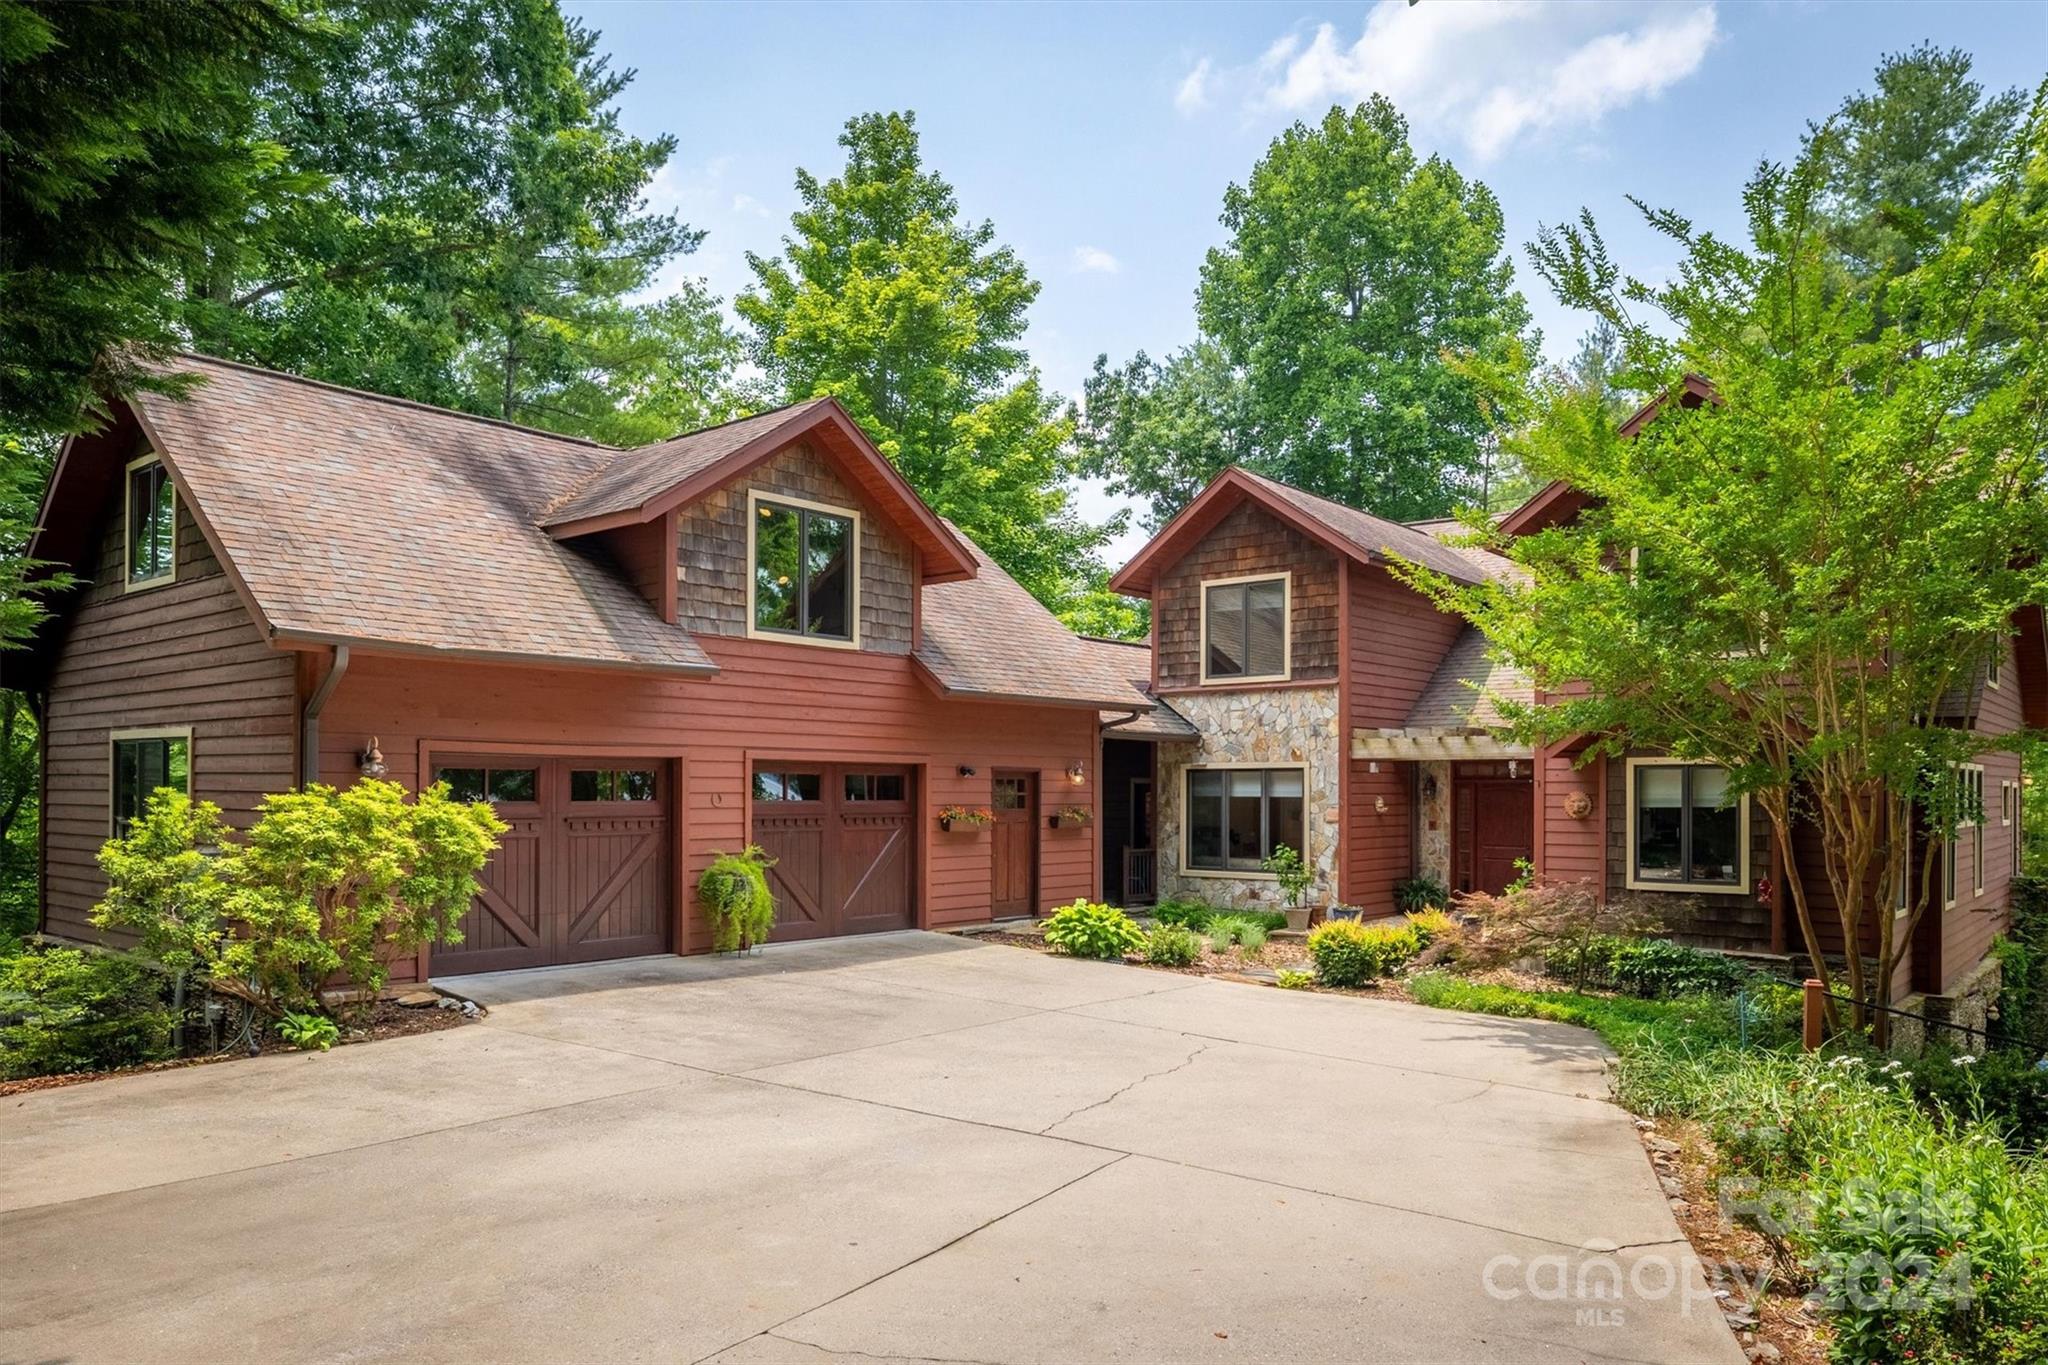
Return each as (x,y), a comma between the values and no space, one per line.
(1279,728)
(1970,1005)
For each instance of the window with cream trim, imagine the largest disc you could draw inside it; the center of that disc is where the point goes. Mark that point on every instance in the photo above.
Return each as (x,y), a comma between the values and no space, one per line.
(145,762)
(806,571)
(152,525)
(1245,635)
(1684,833)
(1236,817)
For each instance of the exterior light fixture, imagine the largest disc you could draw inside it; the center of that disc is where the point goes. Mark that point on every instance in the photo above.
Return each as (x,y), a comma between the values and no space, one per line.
(966,771)
(1076,774)
(371,762)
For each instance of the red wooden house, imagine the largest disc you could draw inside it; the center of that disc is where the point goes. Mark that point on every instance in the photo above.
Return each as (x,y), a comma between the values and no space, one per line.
(754,633)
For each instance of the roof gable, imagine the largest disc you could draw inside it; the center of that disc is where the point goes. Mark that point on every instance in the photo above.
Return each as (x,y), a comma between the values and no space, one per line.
(1356,535)
(1558,503)
(636,486)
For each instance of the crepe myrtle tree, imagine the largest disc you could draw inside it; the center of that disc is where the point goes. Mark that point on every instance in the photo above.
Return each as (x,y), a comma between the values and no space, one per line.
(1795,578)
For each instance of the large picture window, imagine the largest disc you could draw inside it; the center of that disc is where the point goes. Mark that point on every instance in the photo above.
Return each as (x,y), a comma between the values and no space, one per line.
(1236,817)
(1244,630)
(1684,832)
(152,524)
(145,761)
(805,571)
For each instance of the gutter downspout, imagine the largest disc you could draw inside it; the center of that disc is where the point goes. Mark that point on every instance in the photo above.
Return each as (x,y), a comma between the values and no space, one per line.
(309,731)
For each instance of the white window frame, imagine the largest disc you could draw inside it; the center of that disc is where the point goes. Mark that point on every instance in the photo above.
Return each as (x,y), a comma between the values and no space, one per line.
(1187,824)
(170,575)
(1286,674)
(1741,884)
(114,739)
(757,496)
(1995,666)
(1969,780)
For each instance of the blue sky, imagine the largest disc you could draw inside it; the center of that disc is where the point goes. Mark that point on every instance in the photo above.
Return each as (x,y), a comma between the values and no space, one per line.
(1100,137)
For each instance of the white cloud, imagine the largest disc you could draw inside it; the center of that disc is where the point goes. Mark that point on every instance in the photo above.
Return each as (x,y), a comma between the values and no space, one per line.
(1192,96)
(1486,75)
(1093,260)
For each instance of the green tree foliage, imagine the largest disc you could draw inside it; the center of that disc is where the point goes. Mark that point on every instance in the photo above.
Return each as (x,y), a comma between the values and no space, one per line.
(1159,432)
(477,237)
(914,318)
(326,882)
(126,141)
(1353,268)
(1791,579)
(1901,160)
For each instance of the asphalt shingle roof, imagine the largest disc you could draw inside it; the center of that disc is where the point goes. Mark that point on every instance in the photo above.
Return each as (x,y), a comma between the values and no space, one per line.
(633,477)
(1460,695)
(1377,537)
(1133,658)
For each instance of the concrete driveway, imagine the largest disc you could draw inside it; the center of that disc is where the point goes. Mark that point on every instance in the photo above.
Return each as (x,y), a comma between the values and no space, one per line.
(910,1147)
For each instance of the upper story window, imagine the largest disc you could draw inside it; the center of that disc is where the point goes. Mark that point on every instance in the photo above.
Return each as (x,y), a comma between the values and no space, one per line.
(145,761)
(806,571)
(1245,629)
(1683,832)
(152,535)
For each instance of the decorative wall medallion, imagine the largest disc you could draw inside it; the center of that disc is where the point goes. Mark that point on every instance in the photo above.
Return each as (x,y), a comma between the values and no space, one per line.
(1578,805)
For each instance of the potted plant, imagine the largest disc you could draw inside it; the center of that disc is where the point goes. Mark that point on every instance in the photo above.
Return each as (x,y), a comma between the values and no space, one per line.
(734,891)
(1295,878)
(1073,817)
(966,817)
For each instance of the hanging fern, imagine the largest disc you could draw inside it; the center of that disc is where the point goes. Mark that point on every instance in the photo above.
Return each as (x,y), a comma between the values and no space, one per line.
(734,890)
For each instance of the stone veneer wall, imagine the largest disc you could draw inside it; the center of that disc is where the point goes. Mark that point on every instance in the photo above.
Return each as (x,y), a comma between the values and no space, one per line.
(1279,728)
(1433,822)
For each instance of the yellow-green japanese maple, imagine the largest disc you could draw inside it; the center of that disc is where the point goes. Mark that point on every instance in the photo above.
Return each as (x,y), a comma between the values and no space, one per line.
(1799,578)
(327,883)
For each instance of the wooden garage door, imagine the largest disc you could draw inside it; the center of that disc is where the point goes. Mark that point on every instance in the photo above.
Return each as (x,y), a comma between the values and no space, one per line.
(583,873)
(844,840)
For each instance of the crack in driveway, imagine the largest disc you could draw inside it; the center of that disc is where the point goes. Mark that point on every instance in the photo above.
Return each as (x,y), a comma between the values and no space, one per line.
(1121,1091)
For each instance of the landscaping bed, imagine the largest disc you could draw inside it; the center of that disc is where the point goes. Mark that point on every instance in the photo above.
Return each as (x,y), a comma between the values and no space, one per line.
(388,1019)
(1275,955)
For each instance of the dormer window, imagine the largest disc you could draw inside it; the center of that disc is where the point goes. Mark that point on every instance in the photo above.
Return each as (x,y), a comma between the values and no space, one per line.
(152,535)
(1245,629)
(806,579)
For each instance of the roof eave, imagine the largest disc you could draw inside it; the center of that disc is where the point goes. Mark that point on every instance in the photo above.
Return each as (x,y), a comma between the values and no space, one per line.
(293,637)
(953,693)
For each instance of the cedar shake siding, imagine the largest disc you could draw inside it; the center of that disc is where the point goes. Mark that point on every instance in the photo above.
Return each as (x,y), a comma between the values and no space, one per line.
(1396,639)
(712,540)
(1248,541)
(1729,920)
(185,653)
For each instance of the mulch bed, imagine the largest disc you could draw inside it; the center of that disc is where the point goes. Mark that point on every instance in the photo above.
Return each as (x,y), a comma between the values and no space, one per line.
(388,1020)
(1276,954)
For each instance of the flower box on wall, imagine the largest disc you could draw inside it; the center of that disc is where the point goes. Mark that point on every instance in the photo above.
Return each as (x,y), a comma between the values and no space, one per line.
(966,819)
(1071,817)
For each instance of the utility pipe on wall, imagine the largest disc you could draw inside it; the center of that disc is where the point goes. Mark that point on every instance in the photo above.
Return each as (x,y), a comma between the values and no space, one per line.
(309,731)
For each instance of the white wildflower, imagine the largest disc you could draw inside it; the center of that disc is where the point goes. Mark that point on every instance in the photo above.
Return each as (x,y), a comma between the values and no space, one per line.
(1966,1060)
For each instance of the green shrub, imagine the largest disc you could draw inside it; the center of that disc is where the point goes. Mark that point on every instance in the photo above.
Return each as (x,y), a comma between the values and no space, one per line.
(1173,945)
(1291,979)
(1347,953)
(1653,967)
(733,890)
(1245,930)
(1294,876)
(63,1009)
(1087,930)
(1433,926)
(1413,895)
(308,1032)
(328,882)
(2005,1090)
(1178,910)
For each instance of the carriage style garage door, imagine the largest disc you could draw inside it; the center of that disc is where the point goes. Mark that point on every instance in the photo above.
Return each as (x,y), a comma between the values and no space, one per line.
(843,838)
(583,873)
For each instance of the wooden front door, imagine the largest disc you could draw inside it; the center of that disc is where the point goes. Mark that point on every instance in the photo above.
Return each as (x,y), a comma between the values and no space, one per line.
(843,837)
(583,872)
(1014,851)
(1495,830)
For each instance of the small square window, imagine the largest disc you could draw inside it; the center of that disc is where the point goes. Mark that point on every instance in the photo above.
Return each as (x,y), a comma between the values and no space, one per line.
(611,784)
(144,765)
(152,524)
(464,784)
(512,784)
(874,786)
(771,786)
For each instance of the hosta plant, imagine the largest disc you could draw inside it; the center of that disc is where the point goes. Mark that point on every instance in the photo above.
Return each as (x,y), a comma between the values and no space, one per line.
(1085,929)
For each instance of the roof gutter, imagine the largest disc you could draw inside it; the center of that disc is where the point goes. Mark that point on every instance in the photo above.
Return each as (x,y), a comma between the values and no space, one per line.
(309,731)
(290,636)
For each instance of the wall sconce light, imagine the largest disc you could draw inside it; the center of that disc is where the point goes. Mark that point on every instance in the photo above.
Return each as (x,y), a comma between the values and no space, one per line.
(1076,774)
(1372,766)
(1514,768)
(1379,805)
(1429,786)
(371,762)
(966,771)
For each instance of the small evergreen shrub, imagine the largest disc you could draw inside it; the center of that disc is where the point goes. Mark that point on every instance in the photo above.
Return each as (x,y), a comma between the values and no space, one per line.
(63,1009)
(1173,945)
(1084,929)
(734,891)
(1292,979)
(1433,926)
(1347,953)
(1413,895)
